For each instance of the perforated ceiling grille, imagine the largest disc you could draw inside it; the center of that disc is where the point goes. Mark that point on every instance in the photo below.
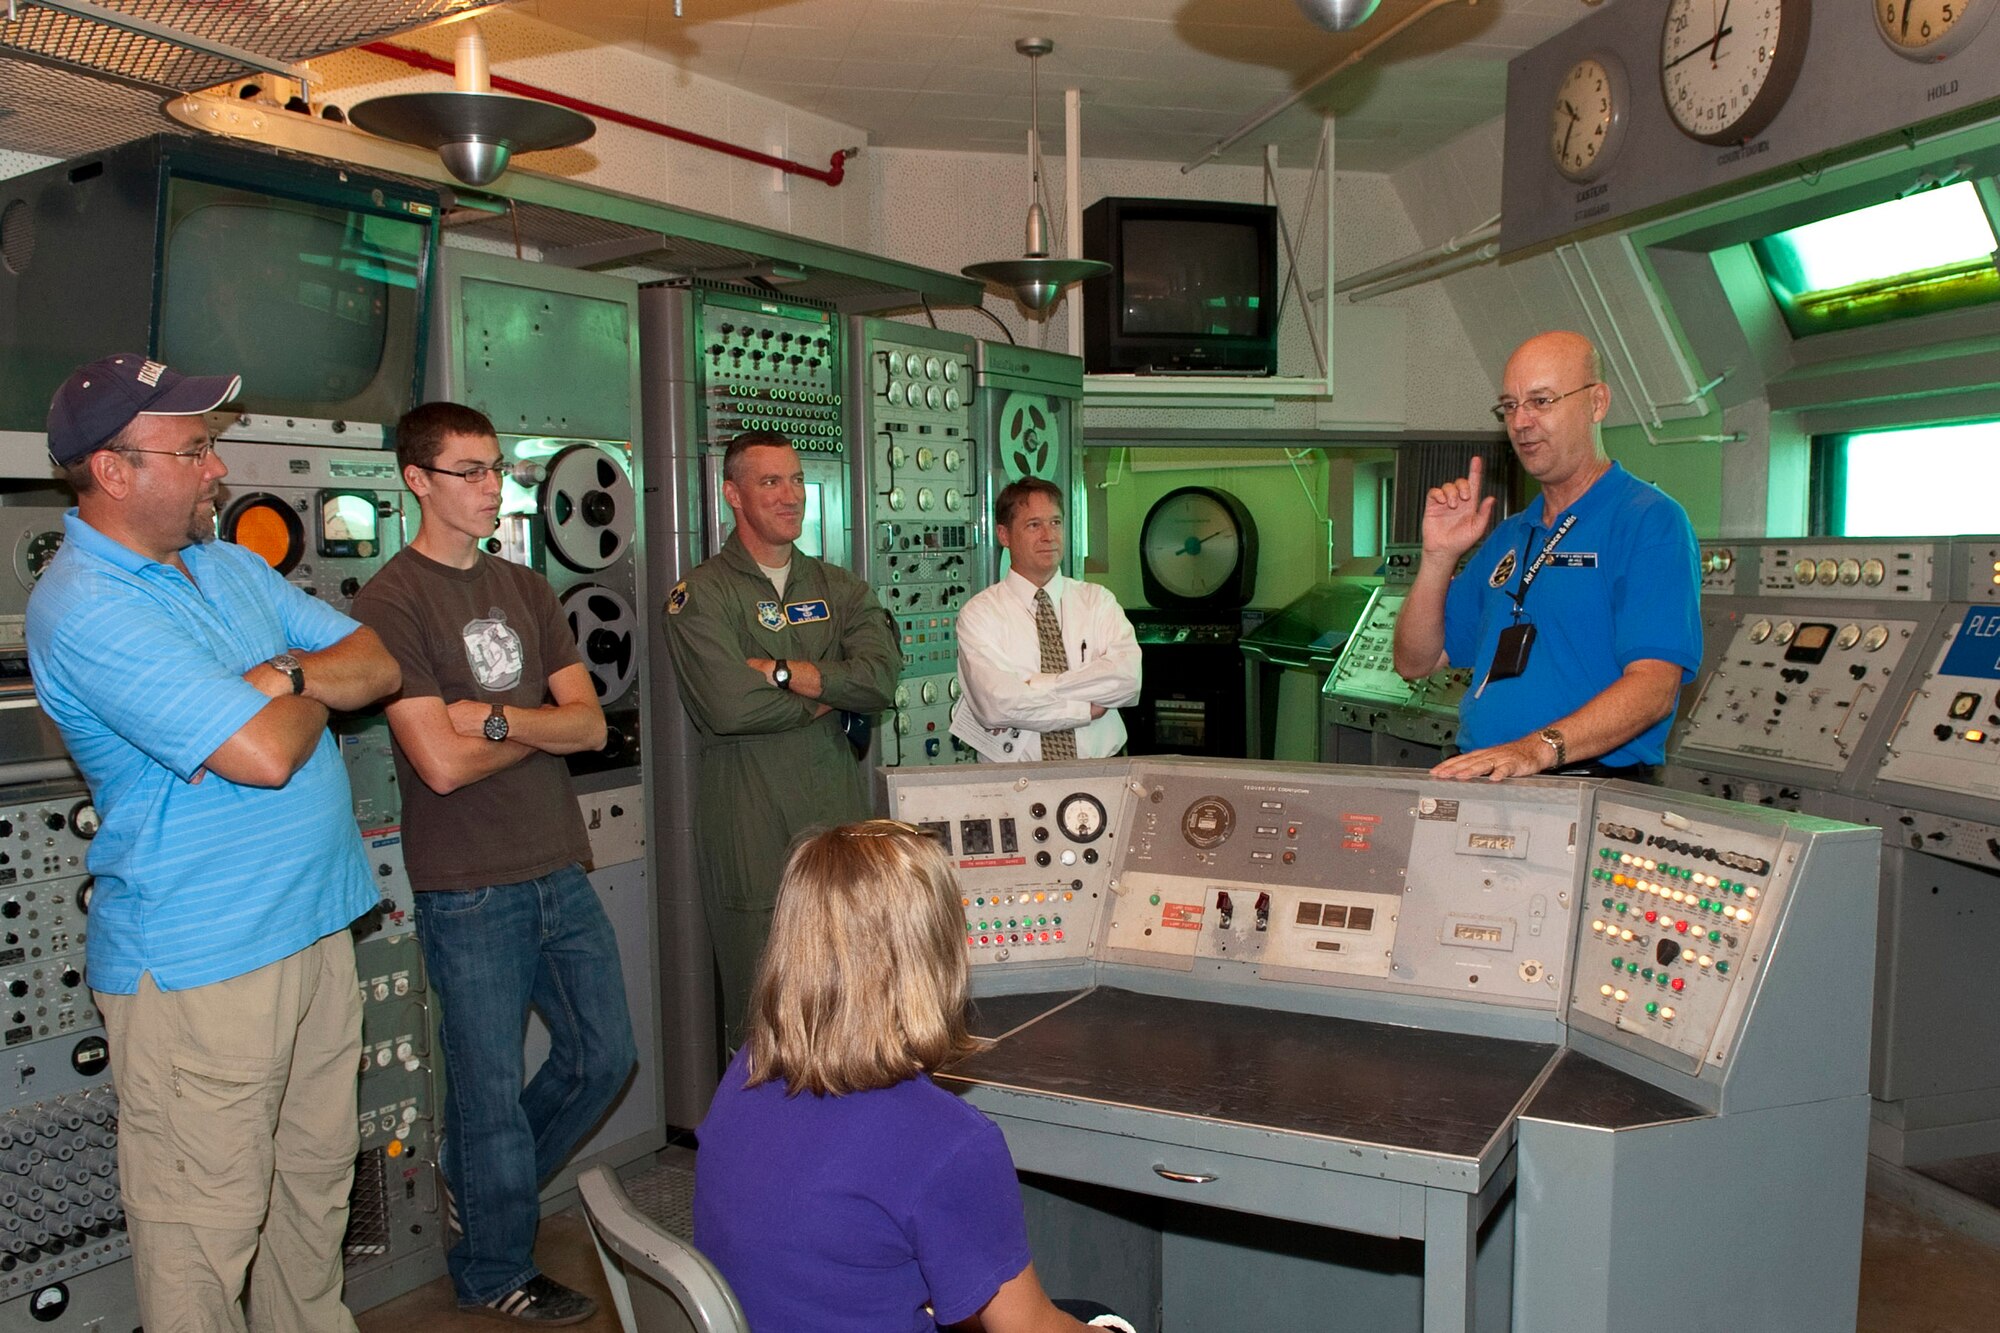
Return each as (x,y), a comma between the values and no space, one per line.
(278,30)
(60,113)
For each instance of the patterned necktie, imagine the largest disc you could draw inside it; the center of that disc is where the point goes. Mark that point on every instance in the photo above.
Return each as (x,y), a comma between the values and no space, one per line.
(1055,744)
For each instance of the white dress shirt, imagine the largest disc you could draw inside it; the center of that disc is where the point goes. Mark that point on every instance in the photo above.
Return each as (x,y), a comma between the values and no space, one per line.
(1006,701)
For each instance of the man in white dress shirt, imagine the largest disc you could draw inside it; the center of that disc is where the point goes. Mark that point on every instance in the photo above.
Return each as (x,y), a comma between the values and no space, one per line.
(1044,662)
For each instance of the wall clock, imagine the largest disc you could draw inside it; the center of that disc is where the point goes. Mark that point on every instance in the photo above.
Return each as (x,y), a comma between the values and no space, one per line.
(1198,547)
(1727,66)
(1587,119)
(1926,30)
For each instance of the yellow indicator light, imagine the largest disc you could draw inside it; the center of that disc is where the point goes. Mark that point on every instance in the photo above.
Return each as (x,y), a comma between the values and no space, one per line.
(1605,991)
(1620,996)
(1667,1014)
(1975,736)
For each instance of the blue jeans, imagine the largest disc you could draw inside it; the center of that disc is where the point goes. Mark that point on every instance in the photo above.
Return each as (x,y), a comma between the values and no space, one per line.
(492,953)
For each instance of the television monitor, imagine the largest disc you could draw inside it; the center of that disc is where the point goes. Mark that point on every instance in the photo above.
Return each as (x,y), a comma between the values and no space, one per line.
(304,277)
(1193,288)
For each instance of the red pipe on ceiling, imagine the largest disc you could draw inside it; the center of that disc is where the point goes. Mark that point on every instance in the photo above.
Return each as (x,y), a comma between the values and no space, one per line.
(832,174)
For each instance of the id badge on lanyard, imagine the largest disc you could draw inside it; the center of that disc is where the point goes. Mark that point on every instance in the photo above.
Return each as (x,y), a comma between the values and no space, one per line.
(1517,641)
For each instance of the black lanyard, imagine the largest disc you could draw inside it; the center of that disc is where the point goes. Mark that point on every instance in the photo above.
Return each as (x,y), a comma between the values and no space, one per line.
(1520,594)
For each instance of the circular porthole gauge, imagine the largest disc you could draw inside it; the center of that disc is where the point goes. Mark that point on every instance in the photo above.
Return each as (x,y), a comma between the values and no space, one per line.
(1198,548)
(1930,30)
(1726,73)
(1587,117)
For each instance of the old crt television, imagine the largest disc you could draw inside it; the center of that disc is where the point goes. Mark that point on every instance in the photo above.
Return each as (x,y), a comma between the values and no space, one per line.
(1193,288)
(304,277)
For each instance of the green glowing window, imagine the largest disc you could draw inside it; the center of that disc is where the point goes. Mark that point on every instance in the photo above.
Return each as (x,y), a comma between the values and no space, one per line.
(1930,252)
(1928,481)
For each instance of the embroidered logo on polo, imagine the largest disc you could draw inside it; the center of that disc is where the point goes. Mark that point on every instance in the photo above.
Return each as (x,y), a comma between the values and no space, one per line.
(493,651)
(1573,560)
(1502,571)
(804,613)
(678,598)
(769,616)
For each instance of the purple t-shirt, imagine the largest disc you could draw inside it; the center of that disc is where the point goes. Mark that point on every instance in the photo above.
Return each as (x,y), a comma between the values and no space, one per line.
(830,1214)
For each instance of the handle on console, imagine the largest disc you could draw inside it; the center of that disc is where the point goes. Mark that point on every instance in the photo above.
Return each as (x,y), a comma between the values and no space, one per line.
(1185,1177)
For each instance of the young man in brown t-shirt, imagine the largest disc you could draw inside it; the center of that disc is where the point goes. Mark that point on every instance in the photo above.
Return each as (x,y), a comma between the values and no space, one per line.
(494,694)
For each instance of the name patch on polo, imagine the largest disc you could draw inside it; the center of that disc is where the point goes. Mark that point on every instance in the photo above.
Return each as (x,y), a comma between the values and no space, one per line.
(1573,560)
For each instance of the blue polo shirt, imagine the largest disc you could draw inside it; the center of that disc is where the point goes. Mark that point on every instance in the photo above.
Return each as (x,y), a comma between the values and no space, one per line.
(1623,585)
(197,879)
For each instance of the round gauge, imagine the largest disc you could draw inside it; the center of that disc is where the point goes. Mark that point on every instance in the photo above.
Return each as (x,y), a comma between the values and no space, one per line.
(902,724)
(1717,561)
(1928,30)
(1081,817)
(1760,631)
(951,688)
(913,365)
(1873,572)
(896,456)
(951,460)
(1726,71)
(902,696)
(33,553)
(951,372)
(1829,571)
(1208,822)
(895,497)
(1802,571)
(1785,632)
(1198,547)
(928,691)
(932,368)
(951,400)
(84,820)
(1875,638)
(84,893)
(926,498)
(953,502)
(895,393)
(934,397)
(1849,636)
(891,363)
(1850,572)
(924,459)
(1588,118)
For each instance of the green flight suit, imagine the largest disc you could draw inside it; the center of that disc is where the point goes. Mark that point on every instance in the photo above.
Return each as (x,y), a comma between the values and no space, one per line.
(769,770)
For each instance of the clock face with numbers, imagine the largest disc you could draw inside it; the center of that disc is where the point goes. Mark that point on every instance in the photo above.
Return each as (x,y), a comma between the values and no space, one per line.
(1587,119)
(1727,66)
(1930,29)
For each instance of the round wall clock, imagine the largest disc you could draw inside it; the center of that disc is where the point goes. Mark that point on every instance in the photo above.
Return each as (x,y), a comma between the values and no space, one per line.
(1927,30)
(1198,547)
(1587,121)
(1727,68)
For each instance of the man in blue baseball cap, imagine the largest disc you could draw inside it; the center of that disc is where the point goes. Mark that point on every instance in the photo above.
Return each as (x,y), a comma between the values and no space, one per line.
(192,685)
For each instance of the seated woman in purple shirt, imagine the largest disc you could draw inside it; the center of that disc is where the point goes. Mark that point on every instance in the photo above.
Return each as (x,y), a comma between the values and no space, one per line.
(837,1187)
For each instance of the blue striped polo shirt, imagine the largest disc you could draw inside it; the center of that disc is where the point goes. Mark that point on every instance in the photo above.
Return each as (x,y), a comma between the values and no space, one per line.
(198,879)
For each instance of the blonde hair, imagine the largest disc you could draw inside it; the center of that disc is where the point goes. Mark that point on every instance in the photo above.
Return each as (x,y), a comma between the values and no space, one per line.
(864,980)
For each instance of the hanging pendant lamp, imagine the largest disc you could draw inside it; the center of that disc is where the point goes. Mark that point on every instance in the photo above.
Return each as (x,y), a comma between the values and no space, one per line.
(1035,280)
(1338,15)
(475,130)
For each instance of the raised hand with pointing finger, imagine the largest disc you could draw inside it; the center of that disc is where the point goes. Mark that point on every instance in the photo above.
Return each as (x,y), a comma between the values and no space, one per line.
(1456,516)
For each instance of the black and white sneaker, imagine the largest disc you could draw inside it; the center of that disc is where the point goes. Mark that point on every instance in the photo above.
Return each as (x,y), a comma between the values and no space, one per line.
(540,1300)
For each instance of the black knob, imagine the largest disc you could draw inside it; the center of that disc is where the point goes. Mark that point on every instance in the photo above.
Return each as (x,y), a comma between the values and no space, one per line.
(71,977)
(11,908)
(55,821)
(17,988)
(349,586)
(1041,858)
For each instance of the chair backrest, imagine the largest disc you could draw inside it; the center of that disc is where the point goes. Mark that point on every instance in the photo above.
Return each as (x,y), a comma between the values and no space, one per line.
(659,1282)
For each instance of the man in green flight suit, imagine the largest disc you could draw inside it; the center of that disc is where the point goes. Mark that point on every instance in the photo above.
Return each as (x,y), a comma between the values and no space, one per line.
(770,646)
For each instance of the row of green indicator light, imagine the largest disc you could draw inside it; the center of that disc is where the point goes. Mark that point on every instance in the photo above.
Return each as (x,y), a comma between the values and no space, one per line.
(1012,923)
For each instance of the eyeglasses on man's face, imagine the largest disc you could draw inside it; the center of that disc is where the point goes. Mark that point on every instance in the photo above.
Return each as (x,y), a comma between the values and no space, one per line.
(1535,404)
(199,455)
(526,474)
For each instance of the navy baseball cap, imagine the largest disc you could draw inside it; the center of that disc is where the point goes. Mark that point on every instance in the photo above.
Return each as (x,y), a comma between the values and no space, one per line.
(100,399)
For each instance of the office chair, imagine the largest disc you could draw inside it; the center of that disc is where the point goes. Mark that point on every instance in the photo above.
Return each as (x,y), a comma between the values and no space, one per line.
(659,1282)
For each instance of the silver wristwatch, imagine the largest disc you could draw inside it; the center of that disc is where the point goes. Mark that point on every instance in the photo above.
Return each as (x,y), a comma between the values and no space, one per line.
(291,666)
(1552,738)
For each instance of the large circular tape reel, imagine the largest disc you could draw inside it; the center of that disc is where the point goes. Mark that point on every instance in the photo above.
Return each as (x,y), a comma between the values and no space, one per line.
(1031,437)
(588,506)
(607,638)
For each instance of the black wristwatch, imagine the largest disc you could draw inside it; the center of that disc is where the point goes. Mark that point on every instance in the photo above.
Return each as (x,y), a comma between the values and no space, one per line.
(495,726)
(781,674)
(290,665)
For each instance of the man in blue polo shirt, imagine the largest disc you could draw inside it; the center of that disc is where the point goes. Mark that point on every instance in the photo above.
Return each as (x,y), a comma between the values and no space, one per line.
(192,685)
(1578,616)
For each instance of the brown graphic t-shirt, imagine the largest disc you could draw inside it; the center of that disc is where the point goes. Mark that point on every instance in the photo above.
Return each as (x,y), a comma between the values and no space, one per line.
(494,633)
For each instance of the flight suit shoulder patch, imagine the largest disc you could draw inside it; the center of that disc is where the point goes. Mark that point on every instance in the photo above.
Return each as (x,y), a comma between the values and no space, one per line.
(678,598)
(769,616)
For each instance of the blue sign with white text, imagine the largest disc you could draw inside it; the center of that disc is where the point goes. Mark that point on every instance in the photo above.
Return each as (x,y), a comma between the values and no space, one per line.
(1976,650)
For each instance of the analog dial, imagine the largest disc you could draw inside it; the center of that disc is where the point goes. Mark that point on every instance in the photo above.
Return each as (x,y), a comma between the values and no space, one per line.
(1198,547)
(1930,29)
(1208,822)
(1588,118)
(1081,817)
(1727,68)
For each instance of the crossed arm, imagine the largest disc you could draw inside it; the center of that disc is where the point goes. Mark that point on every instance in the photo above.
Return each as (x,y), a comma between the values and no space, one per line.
(277,741)
(447,745)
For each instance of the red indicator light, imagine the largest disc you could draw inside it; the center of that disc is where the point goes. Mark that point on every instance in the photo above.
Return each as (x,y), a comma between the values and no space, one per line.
(1681,926)
(1652,917)
(1679,983)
